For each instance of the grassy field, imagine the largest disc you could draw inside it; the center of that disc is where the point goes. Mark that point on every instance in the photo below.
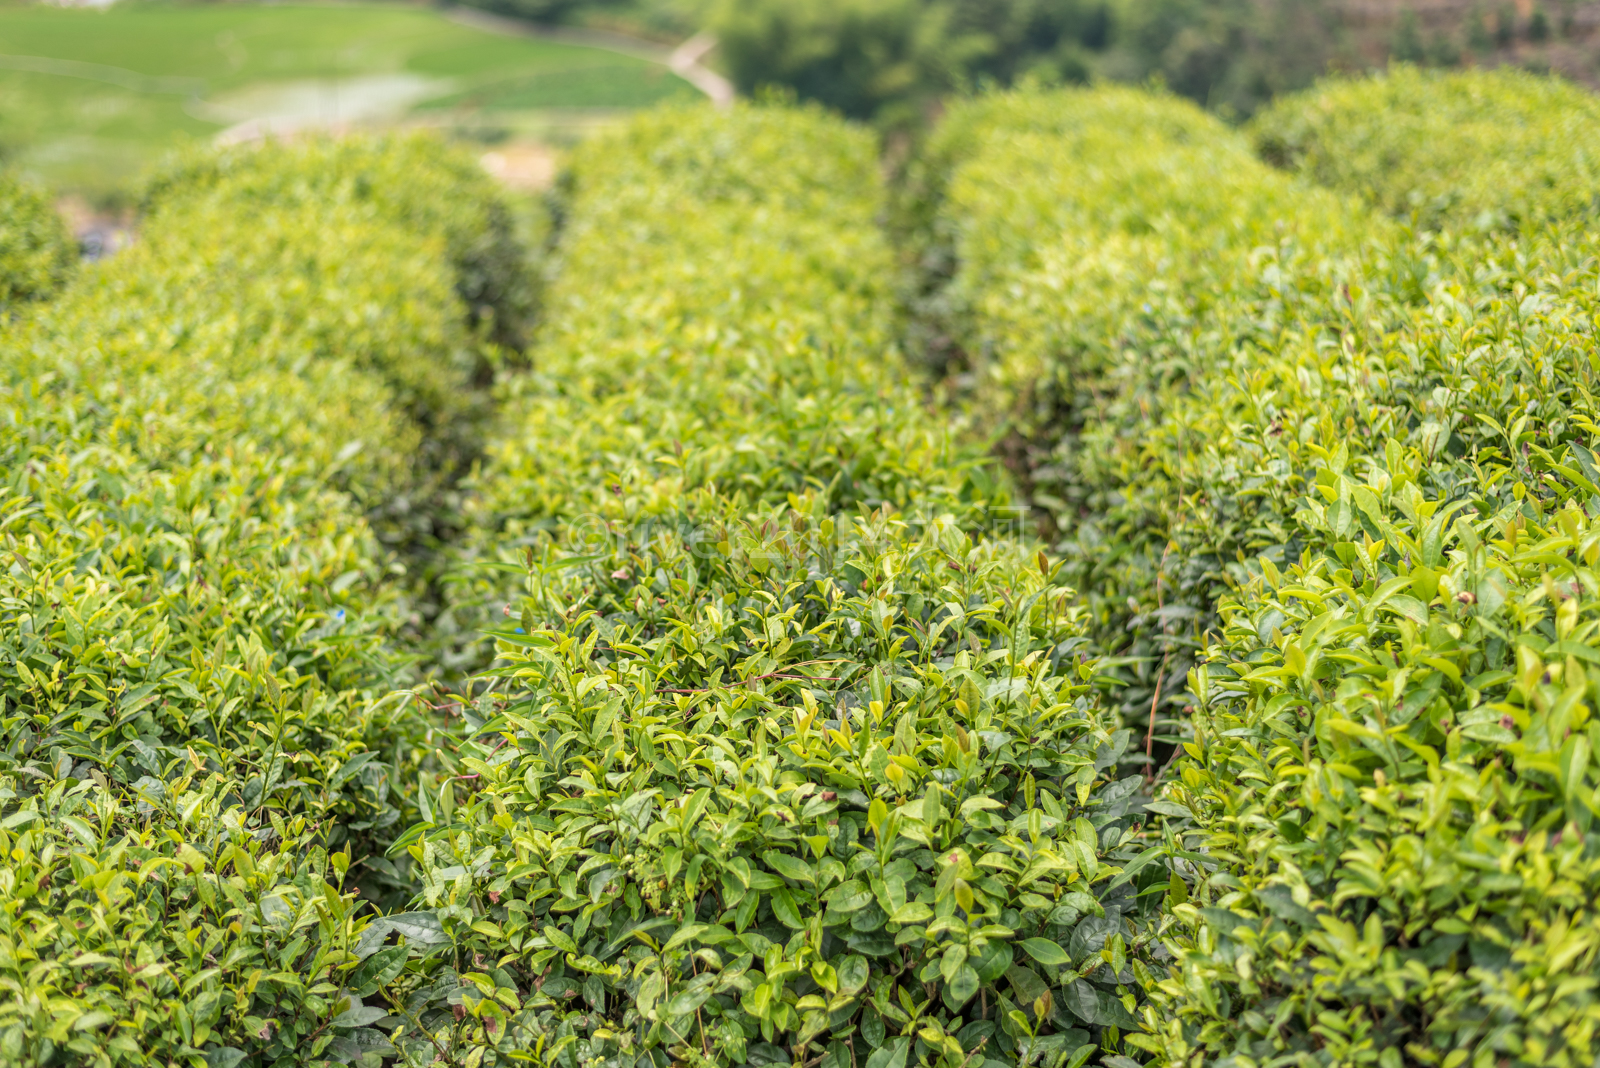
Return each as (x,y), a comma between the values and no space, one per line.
(89,98)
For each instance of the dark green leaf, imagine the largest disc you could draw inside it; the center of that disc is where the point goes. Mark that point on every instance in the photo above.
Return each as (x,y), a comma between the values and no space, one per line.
(783,908)
(378,970)
(890,1055)
(1045,951)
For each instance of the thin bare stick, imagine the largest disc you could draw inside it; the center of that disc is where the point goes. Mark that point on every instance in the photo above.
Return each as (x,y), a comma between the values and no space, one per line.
(1150,732)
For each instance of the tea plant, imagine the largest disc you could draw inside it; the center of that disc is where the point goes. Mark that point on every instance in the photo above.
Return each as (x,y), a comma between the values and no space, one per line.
(1113,251)
(789,754)
(1378,810)
(196,755)
(748,353)
(404,180)
(1392,762)
(37,253)
(1485,149)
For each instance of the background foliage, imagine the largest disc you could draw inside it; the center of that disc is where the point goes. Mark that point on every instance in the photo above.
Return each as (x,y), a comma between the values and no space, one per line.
(894,61)
(36,252)
(1403,141)
(891,59)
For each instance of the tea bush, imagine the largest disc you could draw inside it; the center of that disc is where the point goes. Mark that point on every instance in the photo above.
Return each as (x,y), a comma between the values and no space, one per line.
(196,756)
(759,356)
(1392,767)
(37,253)
(1378,820)
(1486,149)
(1115,251)
(404,180)
(788,753)
(938,241)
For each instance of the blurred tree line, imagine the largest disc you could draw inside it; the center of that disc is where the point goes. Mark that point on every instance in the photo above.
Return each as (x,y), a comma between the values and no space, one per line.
(889,61)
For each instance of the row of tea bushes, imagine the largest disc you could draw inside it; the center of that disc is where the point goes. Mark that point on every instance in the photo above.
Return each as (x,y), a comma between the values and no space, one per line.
(1115,250)
(409,187)
(759,356)
(37,253)
(410,183)
(1393,763)
(1379,820)
(1483,150)
(788,756)
(940,242)
(195,757)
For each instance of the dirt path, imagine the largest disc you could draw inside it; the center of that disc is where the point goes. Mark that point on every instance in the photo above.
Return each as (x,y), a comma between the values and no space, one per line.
(528,166)
(685,63)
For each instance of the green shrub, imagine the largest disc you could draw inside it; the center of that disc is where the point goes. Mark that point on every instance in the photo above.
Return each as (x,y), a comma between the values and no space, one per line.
(37,253)
(783,757)
(249,311)
(938,239)
(754,365)
(407,181)
(1378,817)
(1114,252)
(1387,788)
(153,929)
(1392,764)
(401,189)
(1481,148)
(198,628)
